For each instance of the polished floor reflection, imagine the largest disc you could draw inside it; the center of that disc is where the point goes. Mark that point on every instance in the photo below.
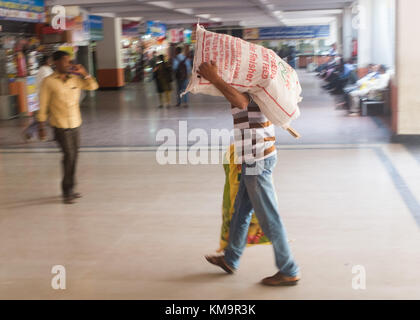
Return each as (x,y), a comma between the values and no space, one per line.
(130,117)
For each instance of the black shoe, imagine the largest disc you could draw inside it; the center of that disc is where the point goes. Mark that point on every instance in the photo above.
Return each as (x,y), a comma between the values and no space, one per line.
(68,200)
(26,137)
(160,107)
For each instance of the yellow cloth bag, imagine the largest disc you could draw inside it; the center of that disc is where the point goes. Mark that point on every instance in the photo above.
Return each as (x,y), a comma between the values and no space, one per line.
(233,177)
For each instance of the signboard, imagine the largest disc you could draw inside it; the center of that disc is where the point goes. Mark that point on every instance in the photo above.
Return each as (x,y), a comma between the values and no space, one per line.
(296,32)
(76,29)
(251,34)
(96,28)
(131,28)
(187,36)
(22,10)
(156,29)
(176,35)
(51,35)
(32,96)
(79,25)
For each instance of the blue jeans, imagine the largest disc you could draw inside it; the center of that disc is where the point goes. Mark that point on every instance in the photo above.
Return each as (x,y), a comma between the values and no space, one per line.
(181,85)
(256,191)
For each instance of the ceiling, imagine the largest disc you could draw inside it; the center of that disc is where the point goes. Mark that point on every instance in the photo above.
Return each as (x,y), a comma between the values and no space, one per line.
(256,13)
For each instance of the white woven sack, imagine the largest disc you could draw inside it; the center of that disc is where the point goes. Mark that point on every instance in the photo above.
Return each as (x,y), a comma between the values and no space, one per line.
(252,68)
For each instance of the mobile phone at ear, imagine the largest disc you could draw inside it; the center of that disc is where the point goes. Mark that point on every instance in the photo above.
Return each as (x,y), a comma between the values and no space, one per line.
(73,69)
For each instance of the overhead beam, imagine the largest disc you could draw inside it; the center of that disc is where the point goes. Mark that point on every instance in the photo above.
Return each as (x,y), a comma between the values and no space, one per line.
(212,4)
(118,9)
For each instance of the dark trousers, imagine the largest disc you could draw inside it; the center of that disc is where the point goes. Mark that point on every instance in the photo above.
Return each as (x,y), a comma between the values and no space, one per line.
(69,141)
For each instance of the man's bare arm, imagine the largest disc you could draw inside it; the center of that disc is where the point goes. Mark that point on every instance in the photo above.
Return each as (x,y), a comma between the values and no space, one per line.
(236,98)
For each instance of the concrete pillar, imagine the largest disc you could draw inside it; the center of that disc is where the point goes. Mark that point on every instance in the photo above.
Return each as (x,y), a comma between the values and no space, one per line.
(407,113)
(364,26)
(383,31)
(376,32)
(339,33)
(110,73)
(333,38)
(347,33)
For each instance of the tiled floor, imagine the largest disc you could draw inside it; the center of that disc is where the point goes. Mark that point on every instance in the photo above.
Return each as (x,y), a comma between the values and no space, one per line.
(347,197)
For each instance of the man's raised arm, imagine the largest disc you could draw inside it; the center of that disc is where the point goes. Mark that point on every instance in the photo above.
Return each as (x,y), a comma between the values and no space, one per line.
(236,98)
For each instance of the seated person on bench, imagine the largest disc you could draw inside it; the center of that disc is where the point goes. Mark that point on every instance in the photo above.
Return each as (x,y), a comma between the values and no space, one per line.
(379,81)
(336,84)
(323,69)
(372,72)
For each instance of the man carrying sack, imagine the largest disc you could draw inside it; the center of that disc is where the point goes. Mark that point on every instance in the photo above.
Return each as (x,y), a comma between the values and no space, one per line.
(256,152)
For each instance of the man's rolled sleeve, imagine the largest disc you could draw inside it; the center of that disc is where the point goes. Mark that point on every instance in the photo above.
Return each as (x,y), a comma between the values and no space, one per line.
(88,84)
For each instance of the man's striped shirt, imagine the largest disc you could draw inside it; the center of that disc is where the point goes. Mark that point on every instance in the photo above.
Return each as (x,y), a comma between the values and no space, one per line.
(254,134)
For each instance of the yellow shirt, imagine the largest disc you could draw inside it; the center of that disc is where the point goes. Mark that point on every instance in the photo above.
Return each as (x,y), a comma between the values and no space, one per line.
(59,100)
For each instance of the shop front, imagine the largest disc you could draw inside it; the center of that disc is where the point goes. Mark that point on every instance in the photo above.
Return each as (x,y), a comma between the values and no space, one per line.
(179,37)
(19,55)
(155,43)
(131,50)
(299,45)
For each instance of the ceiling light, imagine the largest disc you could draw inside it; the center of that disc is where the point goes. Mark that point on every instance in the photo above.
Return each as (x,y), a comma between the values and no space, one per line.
(185,11)
(309,21)
(162,4)
(203,16)
(216,19)
(106,14)
(133,18)
(315,12)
